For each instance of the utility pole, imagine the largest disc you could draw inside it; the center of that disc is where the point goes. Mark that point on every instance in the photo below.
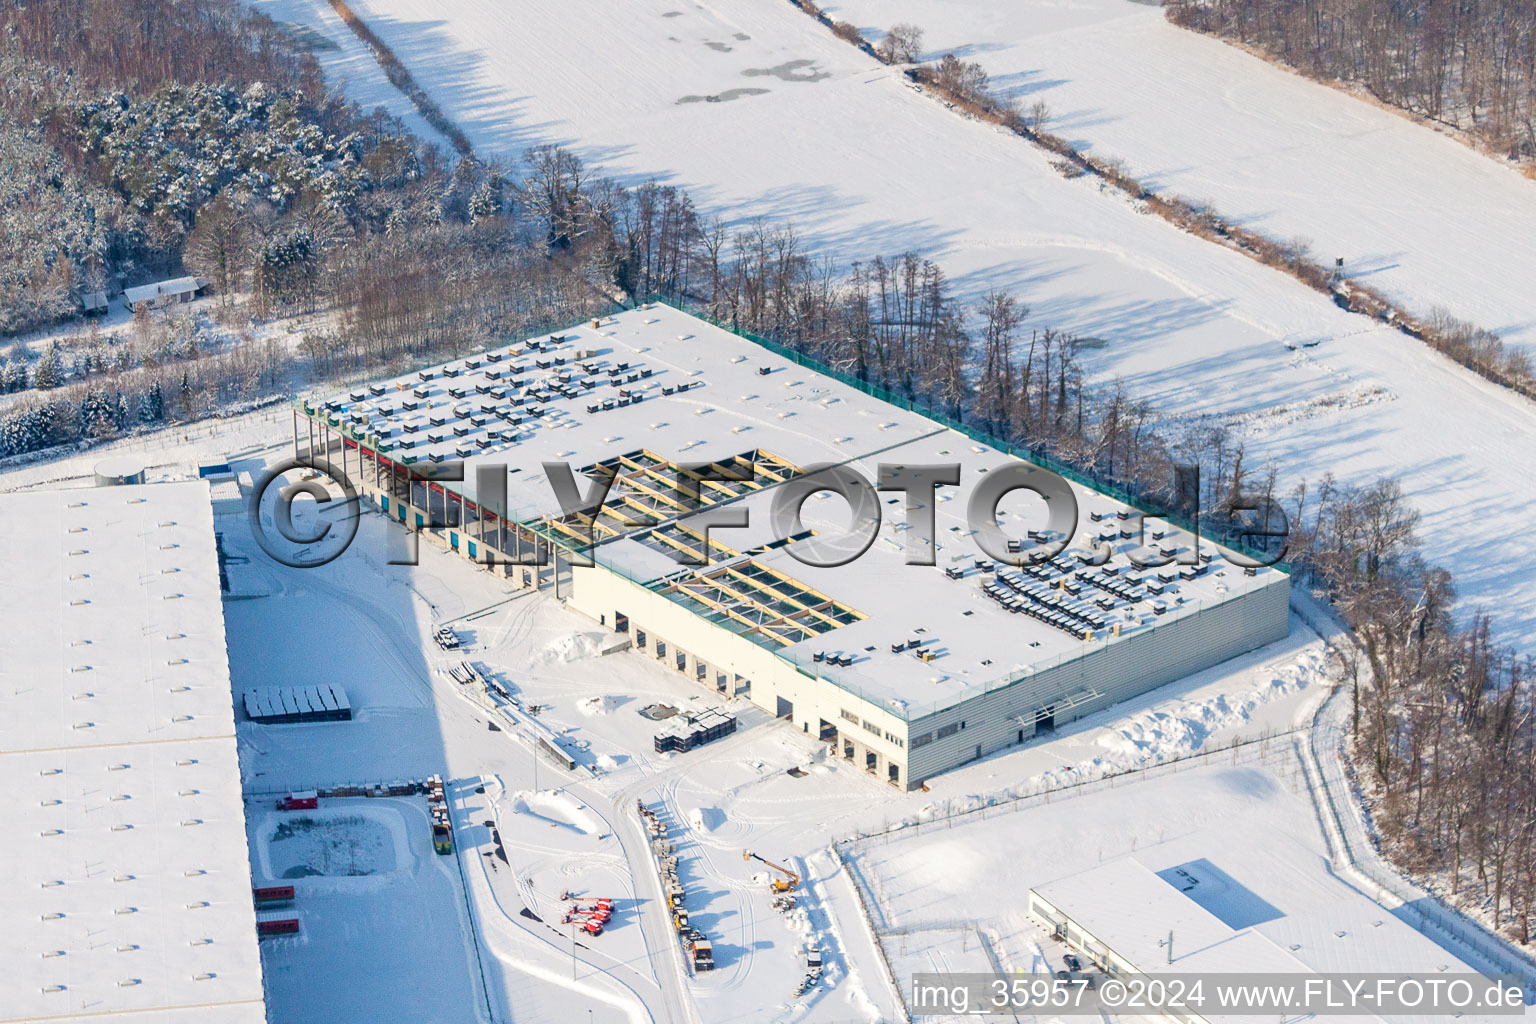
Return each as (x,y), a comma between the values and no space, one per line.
(1168,945)
(573,951)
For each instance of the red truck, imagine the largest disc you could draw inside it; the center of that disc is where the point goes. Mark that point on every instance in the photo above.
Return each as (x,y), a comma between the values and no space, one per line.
(302,800)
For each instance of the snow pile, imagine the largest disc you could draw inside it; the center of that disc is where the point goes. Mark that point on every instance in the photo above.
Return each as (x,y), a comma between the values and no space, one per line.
(592,706)
(1162,734)
(572,647)
(556,807)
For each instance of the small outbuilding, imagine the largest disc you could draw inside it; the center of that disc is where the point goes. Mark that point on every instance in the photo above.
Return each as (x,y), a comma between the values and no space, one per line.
(165,293)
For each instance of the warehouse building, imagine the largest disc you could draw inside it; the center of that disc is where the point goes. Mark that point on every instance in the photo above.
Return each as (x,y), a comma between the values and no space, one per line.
(128,889)
(906,670)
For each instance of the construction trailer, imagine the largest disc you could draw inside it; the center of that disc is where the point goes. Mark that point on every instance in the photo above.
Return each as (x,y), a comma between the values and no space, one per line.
(272,895)
(299,800)
(271,926)
(547,746)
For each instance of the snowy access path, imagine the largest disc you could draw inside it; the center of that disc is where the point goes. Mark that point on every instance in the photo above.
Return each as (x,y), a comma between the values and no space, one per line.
(1414,213)
(1358,861)
(806,129)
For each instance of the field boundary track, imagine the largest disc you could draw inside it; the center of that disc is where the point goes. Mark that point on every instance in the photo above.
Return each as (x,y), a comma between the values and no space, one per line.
(402,79)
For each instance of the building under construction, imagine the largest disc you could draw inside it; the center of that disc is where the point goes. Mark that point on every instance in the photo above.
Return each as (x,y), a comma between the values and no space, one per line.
(906,670)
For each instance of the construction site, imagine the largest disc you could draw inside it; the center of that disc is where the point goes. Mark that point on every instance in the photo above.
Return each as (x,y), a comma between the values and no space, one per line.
(470,799)
(903,670)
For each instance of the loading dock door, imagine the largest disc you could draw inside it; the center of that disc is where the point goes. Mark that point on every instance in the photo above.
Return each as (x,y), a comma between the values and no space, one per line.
(784,709)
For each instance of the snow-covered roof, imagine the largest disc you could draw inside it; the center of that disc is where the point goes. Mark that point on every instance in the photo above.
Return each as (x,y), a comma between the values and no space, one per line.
(655,387)
(1239,907)
(275,701)
(160,289)
(127,881)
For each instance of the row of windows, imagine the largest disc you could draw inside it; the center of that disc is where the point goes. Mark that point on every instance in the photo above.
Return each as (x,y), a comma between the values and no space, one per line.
(943,731)
(871,727)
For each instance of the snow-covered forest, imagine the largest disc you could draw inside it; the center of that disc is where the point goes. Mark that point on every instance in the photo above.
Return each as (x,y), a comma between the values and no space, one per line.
(1471,64)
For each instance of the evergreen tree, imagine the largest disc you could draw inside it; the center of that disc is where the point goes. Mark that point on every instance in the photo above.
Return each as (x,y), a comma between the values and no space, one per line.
(26,430)
(152,403)
(14,377)
(98,413)
(488,199)
(184,392)
(49,372)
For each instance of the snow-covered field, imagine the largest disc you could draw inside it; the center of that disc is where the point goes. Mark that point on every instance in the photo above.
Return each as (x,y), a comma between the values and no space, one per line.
(807,129)
(1414,213)
(955,899)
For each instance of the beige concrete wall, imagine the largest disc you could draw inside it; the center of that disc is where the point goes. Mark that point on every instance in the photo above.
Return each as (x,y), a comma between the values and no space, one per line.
(599,594)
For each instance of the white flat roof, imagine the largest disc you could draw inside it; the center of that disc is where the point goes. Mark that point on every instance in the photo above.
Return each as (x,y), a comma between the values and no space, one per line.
(1290,918)
(738,397)
(127,883)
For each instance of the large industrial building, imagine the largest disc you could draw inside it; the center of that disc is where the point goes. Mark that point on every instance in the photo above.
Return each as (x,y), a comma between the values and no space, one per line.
(127,888)
(905,670)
